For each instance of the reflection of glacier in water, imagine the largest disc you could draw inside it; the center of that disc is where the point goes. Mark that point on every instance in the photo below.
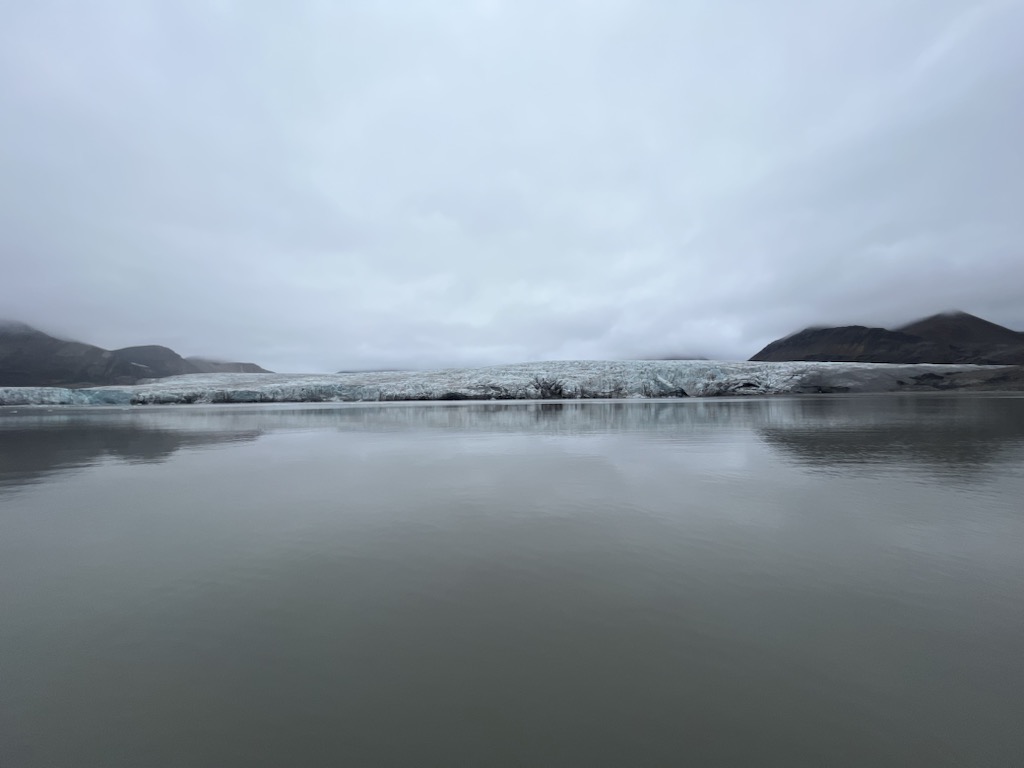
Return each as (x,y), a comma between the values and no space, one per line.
(956,435)
(527,381)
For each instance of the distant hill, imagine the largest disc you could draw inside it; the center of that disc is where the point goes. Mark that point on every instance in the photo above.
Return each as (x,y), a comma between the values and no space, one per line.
(217,366)
(949,337)
(31,358)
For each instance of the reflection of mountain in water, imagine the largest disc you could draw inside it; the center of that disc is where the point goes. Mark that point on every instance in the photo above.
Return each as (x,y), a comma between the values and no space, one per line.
(954,436)
(35,446)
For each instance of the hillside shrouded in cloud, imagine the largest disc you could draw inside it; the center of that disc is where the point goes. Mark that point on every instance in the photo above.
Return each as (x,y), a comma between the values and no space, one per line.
(316,186)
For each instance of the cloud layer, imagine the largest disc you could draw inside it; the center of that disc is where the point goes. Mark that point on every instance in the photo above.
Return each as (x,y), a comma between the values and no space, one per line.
(318,186)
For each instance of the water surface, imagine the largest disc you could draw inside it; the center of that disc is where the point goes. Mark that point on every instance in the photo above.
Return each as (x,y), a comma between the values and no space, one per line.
(806,581)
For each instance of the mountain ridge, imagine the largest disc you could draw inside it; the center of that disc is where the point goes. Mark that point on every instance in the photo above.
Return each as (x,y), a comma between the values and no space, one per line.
(31,358)
(947,337)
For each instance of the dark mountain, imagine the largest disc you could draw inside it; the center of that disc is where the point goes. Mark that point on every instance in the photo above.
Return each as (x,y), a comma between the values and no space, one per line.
(962,330)
(154,362)
(853,344)
(31,358)
(952,337)
(975,339)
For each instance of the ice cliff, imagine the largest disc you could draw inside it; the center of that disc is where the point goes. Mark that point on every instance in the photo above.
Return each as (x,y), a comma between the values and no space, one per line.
(547,380)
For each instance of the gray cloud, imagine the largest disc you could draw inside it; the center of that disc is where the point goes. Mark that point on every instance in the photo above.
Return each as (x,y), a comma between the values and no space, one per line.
(316,186)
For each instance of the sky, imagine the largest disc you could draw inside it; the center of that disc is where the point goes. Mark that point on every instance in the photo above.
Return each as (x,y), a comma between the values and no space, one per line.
(317,186)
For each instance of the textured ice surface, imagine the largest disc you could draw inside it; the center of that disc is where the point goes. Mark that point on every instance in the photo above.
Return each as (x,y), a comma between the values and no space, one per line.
(60,396)
(569,379)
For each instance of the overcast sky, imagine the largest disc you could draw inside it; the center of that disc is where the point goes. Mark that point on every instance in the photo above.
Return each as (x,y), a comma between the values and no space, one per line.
(323,185)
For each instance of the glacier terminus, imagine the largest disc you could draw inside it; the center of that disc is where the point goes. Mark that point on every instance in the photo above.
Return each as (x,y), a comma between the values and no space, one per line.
(527,381)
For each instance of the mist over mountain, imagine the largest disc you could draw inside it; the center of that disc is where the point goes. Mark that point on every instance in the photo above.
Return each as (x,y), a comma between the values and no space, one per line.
(948,337)
(963,330)
(31,358)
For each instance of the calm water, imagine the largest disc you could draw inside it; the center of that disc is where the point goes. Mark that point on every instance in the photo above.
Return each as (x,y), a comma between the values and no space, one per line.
(793,582)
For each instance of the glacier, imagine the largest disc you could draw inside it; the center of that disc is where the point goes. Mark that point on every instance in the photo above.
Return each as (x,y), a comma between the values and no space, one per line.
(526,381)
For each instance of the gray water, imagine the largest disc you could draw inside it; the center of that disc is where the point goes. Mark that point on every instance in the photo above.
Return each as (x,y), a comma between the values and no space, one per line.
(830,581)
